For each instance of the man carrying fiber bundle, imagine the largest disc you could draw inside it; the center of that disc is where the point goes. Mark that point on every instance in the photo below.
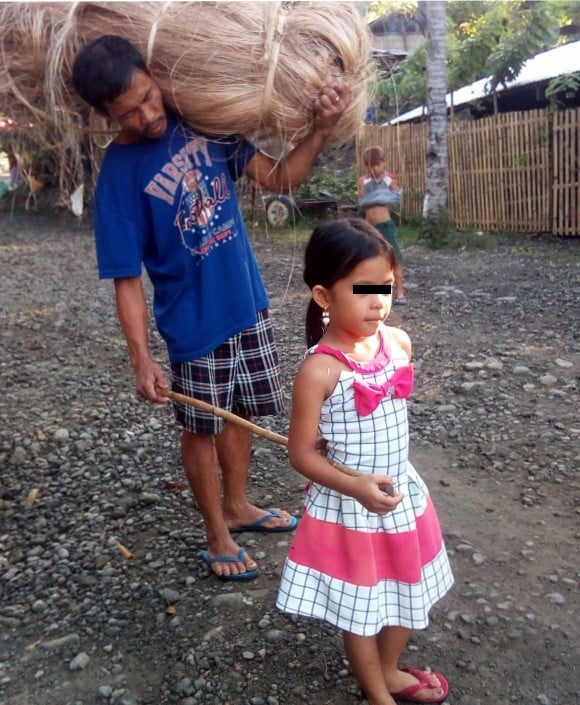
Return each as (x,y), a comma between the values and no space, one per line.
(165,199)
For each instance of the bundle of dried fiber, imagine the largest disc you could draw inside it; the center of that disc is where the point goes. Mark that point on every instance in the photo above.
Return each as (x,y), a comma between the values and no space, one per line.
(27,35)
(252,68)
(232,66)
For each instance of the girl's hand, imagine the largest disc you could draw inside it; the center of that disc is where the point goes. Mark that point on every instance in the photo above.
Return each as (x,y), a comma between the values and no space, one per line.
(367,490)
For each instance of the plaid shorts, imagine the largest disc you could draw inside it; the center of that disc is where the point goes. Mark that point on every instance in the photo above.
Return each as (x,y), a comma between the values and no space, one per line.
(241,375)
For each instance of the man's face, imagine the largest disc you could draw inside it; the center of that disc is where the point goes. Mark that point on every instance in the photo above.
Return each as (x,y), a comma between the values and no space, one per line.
(139,111)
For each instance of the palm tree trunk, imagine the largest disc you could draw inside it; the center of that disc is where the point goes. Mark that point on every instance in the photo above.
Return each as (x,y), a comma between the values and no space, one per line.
(436,157)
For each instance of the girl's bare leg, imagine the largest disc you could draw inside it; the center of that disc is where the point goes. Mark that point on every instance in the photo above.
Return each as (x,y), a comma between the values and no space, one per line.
(362,653)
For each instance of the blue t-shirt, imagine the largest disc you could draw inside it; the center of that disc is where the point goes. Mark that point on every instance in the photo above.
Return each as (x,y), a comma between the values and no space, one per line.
(170,205)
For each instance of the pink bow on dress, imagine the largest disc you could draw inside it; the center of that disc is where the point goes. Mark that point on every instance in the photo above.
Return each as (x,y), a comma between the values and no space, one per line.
(368,396)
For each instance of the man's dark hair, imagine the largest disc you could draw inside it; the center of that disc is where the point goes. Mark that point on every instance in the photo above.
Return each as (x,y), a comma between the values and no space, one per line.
(104,68)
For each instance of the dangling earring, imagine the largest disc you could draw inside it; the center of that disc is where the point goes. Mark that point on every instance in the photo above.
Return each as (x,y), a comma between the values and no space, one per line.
(325,319)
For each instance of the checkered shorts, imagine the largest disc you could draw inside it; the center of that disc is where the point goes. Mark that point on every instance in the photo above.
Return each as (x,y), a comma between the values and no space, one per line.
(241,375)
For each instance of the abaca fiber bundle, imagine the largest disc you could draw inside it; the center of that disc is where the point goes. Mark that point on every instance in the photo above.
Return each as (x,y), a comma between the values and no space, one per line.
(249,68)
(243,66)
(225,67)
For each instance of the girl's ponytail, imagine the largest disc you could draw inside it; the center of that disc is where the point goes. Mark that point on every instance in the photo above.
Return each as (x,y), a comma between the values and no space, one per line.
(314,327)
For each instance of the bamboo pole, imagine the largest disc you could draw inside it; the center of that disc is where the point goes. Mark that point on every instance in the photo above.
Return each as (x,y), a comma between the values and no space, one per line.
(254,428)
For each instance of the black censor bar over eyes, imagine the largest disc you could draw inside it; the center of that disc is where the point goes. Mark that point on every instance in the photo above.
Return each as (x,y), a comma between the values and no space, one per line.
(385,289)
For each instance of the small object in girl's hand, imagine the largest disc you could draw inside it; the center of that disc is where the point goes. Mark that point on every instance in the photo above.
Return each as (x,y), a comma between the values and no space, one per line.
(388,489)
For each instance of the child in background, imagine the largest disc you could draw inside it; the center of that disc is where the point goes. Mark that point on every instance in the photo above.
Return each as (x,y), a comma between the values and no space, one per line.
(367,562)
(378,189)
(14,171)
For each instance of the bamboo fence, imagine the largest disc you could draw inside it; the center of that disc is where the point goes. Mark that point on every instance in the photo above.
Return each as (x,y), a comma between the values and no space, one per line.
(511,172)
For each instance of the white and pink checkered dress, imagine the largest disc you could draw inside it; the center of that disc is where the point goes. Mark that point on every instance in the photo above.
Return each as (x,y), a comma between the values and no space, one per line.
(359,570)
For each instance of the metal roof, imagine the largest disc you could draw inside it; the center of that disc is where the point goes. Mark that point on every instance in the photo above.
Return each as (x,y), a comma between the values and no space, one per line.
(542,67)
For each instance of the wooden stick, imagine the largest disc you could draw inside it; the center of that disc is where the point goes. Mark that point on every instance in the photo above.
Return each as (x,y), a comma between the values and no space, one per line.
(254,428)
(223,414)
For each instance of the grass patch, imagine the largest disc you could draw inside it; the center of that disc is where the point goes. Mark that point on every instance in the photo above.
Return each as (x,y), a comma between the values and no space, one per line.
(437,232)
(290,234)
(409,232)
(458,241)
(565,259)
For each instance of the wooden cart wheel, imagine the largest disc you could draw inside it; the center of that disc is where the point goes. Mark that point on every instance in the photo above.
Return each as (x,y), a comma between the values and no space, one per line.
(278,210)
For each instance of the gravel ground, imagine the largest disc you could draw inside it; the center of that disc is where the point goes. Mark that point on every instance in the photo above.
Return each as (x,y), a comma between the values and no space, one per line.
(86,469)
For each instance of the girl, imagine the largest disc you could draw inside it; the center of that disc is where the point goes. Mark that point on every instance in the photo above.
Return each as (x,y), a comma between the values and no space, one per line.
(369,563)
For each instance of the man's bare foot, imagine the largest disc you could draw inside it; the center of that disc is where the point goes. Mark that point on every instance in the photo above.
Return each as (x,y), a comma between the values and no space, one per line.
(237,566)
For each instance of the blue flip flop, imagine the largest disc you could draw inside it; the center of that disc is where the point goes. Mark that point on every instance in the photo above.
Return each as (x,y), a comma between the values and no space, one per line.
(259,527)
(237,577)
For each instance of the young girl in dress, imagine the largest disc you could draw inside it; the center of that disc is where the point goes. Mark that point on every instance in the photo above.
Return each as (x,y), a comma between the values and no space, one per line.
(368,555)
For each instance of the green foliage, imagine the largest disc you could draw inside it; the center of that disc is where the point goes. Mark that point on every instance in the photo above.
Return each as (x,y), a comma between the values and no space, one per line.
(488,37)
(292,233)
(475,31)
(435,229)
(405,87)
(340,183)
(380,8)
(559,85)
(529,28)
(437,232)
(409,231)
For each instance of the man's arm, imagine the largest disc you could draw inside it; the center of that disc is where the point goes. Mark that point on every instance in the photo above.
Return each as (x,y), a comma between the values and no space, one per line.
(132,313)
(281,176)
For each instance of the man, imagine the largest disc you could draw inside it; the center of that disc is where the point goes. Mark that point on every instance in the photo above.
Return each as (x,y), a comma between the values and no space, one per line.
(165,199)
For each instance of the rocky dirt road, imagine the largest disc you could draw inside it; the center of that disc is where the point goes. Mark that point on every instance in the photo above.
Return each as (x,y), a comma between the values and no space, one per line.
(495,432)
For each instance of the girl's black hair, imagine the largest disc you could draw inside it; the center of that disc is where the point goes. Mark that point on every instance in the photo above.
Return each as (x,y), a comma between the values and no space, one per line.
(335,248)
(103,69)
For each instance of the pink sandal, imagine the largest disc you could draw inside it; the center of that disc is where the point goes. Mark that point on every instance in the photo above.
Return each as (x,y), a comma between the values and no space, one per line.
(423,678)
